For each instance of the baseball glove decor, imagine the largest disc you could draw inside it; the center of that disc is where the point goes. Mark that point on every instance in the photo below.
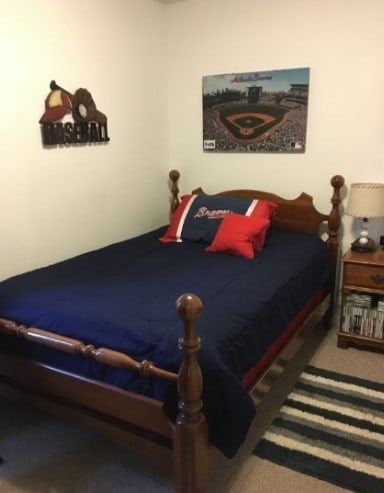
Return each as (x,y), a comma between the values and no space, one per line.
(89,125)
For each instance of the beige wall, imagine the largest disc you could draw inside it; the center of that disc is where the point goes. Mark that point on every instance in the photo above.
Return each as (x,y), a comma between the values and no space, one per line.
(342,41)
(143,63)
(59,202)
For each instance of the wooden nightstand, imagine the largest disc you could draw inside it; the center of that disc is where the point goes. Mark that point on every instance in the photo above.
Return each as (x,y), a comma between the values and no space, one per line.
(362,314)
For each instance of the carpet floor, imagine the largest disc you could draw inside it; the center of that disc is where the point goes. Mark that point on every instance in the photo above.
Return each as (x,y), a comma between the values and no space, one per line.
(331,426)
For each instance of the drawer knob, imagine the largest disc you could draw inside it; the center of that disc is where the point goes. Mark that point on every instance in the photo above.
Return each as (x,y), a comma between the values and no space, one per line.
(377,279)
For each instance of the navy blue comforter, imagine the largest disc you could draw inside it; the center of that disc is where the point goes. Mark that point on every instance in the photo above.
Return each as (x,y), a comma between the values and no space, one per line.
(123,297)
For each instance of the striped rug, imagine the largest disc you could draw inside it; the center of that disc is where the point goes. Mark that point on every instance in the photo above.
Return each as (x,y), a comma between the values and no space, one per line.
(331,426)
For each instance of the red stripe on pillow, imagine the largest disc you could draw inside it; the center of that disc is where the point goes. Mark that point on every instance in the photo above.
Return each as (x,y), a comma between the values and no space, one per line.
(175,228)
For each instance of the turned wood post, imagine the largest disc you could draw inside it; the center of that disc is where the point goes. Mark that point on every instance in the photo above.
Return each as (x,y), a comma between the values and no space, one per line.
(334,221)
(174,176)
(191,449)
(333,241)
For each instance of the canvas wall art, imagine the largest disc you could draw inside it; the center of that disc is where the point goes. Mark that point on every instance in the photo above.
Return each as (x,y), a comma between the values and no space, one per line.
(256,111)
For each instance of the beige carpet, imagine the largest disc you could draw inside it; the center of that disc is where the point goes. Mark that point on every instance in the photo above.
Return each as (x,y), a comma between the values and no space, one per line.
(85,462)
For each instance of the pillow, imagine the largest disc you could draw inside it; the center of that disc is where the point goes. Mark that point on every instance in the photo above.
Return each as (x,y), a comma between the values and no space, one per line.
(237,235)
(198,217)
(258,241)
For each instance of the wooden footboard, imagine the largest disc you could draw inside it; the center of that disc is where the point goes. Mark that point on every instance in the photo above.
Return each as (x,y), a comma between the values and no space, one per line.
(180,448)
(129,418)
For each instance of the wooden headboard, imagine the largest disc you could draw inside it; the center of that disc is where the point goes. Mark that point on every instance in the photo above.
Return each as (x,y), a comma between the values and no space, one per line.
(297,214)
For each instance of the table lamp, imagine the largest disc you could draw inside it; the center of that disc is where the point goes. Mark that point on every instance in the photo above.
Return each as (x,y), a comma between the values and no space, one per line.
(365,200)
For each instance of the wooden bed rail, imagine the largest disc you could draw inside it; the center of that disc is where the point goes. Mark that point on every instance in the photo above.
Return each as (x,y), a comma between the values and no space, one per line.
(102,355)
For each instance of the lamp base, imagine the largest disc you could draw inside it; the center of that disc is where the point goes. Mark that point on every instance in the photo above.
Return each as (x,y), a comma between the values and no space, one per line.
(368,247)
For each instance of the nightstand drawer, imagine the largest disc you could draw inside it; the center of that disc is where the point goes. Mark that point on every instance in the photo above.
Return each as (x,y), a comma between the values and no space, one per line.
(365,276)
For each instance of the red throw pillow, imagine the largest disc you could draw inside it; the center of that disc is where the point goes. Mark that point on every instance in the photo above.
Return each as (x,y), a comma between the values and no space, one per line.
(238,234)
(264,209)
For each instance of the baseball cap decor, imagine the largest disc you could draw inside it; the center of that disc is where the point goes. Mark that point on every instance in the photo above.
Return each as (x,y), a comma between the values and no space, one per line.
(89,125)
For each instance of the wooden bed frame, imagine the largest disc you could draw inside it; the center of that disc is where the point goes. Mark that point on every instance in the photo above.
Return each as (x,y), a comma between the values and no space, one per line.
(140,421)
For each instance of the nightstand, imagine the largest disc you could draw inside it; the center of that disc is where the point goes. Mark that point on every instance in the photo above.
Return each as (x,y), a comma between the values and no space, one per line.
(362,310)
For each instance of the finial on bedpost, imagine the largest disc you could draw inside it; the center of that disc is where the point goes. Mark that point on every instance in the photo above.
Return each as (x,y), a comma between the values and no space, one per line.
(174,176)
(191,454)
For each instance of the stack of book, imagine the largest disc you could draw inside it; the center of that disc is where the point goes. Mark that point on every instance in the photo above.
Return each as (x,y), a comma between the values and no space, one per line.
(363,315)
(380,305)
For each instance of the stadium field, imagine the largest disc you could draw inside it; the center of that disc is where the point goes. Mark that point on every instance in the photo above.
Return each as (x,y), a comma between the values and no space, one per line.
(250,121)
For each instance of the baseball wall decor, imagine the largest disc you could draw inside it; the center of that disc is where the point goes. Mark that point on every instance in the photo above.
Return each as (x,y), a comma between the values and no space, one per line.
(86,123)
(256,111)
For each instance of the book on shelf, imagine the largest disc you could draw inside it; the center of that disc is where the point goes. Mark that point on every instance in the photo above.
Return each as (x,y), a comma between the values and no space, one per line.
(363,315)
(380,305)
(359,299)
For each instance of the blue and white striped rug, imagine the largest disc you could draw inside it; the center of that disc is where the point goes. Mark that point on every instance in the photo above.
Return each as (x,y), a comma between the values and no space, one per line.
(331,426)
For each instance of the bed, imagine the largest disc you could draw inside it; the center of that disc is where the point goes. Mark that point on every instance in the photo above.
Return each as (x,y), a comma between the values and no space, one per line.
(165,341)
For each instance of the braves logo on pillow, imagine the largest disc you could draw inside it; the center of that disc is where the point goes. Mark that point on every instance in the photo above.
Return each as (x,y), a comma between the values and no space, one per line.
(198,217)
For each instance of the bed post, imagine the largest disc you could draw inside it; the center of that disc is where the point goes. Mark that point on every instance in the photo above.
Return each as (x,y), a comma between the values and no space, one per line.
(174,176)
(333,242)
(334,221)
(190,436)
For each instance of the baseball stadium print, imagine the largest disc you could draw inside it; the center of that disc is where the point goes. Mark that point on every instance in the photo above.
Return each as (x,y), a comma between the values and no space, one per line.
(256,111)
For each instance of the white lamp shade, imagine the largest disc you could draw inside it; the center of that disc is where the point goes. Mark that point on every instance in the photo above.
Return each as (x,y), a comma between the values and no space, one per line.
(366,200)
